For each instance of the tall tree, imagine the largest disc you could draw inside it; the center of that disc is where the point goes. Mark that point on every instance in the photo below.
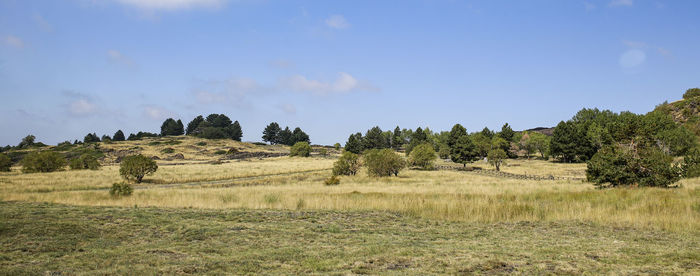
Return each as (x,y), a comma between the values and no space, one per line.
(456,132)
(355,143)
(170,127)
(397,139)
(180,129)
(374,139)
(463,150)
(194,124)
(507,133)
(91,138)
(118,136)
(299,135)
(285,137)
(271,133)
(236,131)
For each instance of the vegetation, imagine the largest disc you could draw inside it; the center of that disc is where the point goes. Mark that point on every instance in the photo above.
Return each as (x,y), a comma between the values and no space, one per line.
(691,93)
(135,167)
(215,126)
(497,158)
(275,135)
(618,165)
(333,180)
(423,156)
(301,149)
(5,163)
(27,142)
(121,189)
(355,143)
(347,164)
(85,162)
(384,162)
(118,136)
(43,161)
(170,127)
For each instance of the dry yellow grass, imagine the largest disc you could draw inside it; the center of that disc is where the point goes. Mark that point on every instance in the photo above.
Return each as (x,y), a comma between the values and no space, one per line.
(448,195)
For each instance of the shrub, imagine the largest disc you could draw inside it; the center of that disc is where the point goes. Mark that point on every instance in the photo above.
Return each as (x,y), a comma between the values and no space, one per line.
(84,162)
(497,158)
(691,164)
(444,152)
(121,189)
(348,164)
(135,167)
(616,165)
(336,146)
(44,161)
(201,144)
(692,92)
(384,162)
(220,152)
(167,150)
(323,152)
(5,163)
(302,149)
(232,151)
(423,156)
(333,180)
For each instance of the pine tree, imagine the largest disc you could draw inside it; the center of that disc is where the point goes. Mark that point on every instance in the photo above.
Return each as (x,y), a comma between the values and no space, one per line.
(397,139)
(118,136)
(236,131)
(271,133)
(194,124)
(355,143)
(463,150)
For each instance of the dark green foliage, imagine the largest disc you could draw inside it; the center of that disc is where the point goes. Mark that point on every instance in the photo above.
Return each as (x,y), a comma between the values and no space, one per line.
(331,181)
(444,152)
(140,135)
(85,162)
(417,137)
(374,139)
(336,146)
(271,133)
(497,157)
(487,132)
(285,137)
(91,138)
(26,142)
(121,189)
(118,136)
(691,93)
(211,133)
(135,167)
(299,135)
(43,161)
(569,143)
(423,156)
(275,135)
(63,146)
(507,133)
(691,164)
(355,143)
(456,132)
(463,150)
(105,138)
(5,163)
(624,165)
(301,149)
(347,164)
(167,150)
(220,152)
(170,127)
(201,144)
(192,126)
(482,144)
(236,131)
(397,139)
(383,162)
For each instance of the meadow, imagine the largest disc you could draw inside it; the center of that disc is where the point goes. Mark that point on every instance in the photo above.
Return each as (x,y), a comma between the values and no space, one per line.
(423,221)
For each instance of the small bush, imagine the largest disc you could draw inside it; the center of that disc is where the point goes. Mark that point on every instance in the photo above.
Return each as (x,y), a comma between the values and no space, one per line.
(691,93)
(302,149)
(423,156)
(333,180)
(5,163)
(347,164)
(384,162)
(336,146)
(167,150)
(323,152)
(232,151)
(84,162)
(154,143)
(135,167)
(219,152)
(121,189)
(201,144)
(44,161)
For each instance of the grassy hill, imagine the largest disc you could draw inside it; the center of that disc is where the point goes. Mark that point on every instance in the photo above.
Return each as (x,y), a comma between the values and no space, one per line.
(685,111)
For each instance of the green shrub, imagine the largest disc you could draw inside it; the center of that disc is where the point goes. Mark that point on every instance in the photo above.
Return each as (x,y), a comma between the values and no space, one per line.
(691,93)
(167,150)
(336,146)
(444,152)
(333,180)
(497,157)
(135,167)
(84,162)
(219,152)
(201,144)
(691,164)
(121,189)
(617,165)
(323,152)
(232,151)
(302,149)
(423,156)
(347,164)
(5,163)
(384,162)
(44,161)
(259,144)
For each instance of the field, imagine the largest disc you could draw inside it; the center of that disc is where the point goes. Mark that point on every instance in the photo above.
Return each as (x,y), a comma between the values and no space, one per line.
(275,215)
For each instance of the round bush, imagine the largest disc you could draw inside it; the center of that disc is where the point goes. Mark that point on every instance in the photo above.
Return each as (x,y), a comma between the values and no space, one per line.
(423,156)
(333,180)
(302,149)
(44,161)
(121,189)
(5,163)
(384,162)
(85,162)
(347,164)
(135,167)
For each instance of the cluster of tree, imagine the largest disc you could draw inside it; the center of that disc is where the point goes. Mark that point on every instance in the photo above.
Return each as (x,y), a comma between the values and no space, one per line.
(215,126)
(273,134)
(375,138)
(140,135)
(379,162)
(170,127)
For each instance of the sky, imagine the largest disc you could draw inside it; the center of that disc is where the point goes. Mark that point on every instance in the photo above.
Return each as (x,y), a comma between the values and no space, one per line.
(72,67)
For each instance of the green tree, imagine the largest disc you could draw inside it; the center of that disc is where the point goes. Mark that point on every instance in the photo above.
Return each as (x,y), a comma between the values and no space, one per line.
(374,139)
(497,158)
(691,164)
(691,93)
(487,132)
(397,139)
(423,156)
(616,165)
(540,143)
(170,127)
(5,163)
(336,146)
(444,151)
(482,144)
(299,135)
(347,164)
(456,132)
(507,133)
(118,136)
(236,131)
(43,161)
(27,141)
(271,133)
(383,162)
(91,138)
(85,162)
(301,149)
(525,144)
(285,137)
(355,143)
(135,167)
(463,151)
(194,124)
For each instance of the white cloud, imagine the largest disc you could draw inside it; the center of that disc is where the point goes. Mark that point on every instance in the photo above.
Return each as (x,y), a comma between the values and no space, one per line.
(589,6)
(80,104)
(632,58)
(343,83)
(157,113)
(617,3)
(337,22)
(14,41)
(118,57)
(42,23)
(172,5)
(232,90)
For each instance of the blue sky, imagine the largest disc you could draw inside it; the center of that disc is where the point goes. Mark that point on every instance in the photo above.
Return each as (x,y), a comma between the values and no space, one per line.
(335,67)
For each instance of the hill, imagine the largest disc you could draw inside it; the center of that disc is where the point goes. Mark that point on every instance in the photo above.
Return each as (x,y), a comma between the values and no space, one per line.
(685,111)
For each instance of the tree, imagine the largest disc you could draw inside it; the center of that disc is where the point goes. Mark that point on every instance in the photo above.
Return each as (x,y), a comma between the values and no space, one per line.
(135,167)
(417,137)
(218,120)
(487,132)
(84,162)
(118,136)
(383,162)
(507,133)
(170,127)
(456,132)
(462,151)
(5,163)
(374,139)
(540,143)
(691,93)
(91,138)
(299,135)
(526,144)
(43,161)
(301,149)
(236,131)
(194,124)
(271,133)
(691,164)
(105,138)
(26,142)
(285,137)
(616,165)
(569,143)
(497,158)
(423,156)
(336,146)
(355,143)
(444,151)
(347,164)
(397,139)
(482,144)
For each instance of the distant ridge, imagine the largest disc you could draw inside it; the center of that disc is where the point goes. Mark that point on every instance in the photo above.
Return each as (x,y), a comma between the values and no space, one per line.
(544,130)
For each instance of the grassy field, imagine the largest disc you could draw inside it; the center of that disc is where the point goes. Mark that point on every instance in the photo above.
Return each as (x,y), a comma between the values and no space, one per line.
(52,239)
(421,221)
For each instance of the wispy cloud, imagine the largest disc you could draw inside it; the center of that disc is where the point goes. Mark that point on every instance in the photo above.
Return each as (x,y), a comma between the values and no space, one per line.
(117,57)
(155,112)
(14,41)
(635,44)
(79,104)
(233,90)
(588,6)
(619,3)
(288,108)
(42,23)
(172,5)
(337,22)
(342,84)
